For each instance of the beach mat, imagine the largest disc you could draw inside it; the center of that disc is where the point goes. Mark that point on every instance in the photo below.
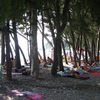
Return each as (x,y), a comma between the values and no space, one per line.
(81,77)
(29,95)
(95,73)
(33,96)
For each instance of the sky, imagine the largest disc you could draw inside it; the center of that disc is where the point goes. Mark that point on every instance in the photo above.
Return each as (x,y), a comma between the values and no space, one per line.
(24,46)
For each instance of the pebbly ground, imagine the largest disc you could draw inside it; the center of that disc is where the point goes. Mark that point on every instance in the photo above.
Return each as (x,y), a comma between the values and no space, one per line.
(53,88)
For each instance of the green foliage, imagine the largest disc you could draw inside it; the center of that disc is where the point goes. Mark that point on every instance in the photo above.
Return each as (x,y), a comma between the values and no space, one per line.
(17,9)
(95,10)
(11,9)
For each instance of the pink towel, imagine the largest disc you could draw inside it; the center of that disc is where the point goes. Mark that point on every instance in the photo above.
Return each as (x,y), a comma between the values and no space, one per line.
(35,96)
(27,94)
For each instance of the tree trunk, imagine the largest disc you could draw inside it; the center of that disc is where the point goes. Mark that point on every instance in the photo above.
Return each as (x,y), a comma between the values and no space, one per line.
(20,51)
(98,46)
(17,54)
(73,40)
(93,50)
(25,61)
(74,49)
(80,50)
(44,55)
(55,63)
(70,53)
(60,59)
(63,47)
(2,48)
(33,45)
(8,60)
(86,49)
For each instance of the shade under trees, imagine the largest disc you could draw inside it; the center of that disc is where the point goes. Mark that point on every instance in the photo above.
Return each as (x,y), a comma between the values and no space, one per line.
(76,21)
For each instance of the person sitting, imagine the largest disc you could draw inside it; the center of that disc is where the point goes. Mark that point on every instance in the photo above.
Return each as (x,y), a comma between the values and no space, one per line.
(49,61)
(94,63)
(42,63)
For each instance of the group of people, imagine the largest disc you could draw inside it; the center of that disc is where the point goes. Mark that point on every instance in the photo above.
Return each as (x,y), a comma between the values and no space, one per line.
(12,63)
(79,71)
(44,63)
(91,66)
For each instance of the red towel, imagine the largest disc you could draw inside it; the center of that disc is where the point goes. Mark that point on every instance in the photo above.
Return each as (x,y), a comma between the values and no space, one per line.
(95,73)
(35,96)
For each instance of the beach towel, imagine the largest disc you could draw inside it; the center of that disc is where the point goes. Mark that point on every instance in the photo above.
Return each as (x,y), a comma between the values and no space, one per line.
(15,93)
(95,73)
(29,95)
(64,74)
(33,96)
